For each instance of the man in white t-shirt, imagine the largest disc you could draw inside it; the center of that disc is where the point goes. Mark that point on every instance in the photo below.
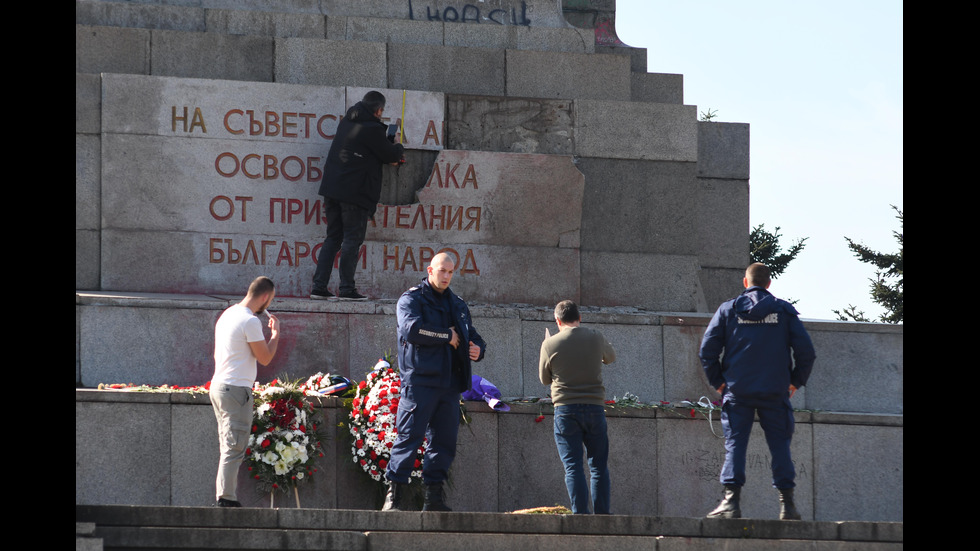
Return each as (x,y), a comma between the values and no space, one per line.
(238,344)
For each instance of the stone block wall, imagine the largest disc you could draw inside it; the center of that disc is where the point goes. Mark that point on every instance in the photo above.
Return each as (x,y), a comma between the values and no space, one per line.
(655,179)
(656,353)
(161,449)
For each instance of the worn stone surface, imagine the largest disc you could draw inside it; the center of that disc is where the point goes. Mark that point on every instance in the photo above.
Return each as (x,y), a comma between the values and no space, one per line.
(141,15)
(87,254)
(633,206)
(266,23)
(501,199)
(567,75)
(400,31)
(112,50)
(534,13)
(331,62)
(132,438)
(529,464)
(843,357)
(865,482)
(195,463)
(88,103)
(87,164)
(683,376)
(656,87)
(156,361)
(518,125)
(631,130)
(501,364)
(652,281)
(449,69)
(721,284)
(210,55)
(721,217)
(475,472)
(723,150)
(690,458)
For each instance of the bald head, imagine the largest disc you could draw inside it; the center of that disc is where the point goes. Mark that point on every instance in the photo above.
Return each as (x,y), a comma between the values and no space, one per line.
(441,272)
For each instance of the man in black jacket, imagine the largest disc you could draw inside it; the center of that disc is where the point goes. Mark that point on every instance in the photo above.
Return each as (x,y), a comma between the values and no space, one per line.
(351,188)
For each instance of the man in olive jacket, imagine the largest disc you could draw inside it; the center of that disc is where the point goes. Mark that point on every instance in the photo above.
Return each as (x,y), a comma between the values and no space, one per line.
(571,363)
(351,188)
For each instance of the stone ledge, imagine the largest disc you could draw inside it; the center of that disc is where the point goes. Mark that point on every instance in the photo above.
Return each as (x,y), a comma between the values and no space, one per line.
(346,521)
(679,413)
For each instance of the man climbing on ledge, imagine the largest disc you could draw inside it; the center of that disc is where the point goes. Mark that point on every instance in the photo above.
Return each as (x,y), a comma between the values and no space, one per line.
(351,189)
(762,338)
(238,344)
(436,345)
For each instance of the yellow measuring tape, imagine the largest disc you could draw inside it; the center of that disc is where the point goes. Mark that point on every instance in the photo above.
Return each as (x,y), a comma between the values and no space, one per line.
(401,122)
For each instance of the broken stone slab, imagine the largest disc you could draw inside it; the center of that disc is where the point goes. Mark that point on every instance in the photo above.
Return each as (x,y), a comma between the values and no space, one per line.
(482,197)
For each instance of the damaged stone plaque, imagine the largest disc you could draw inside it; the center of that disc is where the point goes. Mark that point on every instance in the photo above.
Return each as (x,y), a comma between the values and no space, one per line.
(208,184)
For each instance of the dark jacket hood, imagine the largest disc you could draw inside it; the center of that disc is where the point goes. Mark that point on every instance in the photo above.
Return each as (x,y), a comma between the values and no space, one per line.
(755,303)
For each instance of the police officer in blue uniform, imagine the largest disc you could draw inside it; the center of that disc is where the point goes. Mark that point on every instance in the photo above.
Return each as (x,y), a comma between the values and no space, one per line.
(756,353)
(436,345)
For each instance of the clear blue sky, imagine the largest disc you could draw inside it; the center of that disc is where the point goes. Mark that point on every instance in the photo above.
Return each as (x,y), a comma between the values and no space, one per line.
(821,84)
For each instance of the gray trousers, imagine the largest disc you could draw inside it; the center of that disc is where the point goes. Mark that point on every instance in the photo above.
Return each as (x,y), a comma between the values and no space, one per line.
(233,410)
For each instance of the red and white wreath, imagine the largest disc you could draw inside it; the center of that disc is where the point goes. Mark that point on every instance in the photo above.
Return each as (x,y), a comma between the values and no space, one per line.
(372,421)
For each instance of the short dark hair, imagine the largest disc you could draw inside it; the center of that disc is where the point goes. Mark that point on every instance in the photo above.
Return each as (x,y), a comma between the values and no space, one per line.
(374,100)
(260,286)
(758,275)
(567,312)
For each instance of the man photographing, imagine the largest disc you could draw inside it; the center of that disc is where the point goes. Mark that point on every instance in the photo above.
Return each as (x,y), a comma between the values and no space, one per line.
(571,363)
(238,344)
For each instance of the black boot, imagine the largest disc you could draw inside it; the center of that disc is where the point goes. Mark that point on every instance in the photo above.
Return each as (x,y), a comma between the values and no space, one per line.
(728,508)
(787,510)
(434,499)
(395,499)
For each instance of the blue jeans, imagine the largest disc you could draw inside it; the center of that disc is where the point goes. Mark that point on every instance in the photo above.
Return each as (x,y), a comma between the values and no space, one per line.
(346,227)
(579,425)
(777,423)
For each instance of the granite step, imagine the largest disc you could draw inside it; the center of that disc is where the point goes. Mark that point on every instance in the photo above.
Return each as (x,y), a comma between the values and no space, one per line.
(148,527)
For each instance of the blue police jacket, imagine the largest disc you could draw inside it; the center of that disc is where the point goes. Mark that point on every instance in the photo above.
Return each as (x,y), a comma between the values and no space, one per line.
(762,338)
(425,357)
